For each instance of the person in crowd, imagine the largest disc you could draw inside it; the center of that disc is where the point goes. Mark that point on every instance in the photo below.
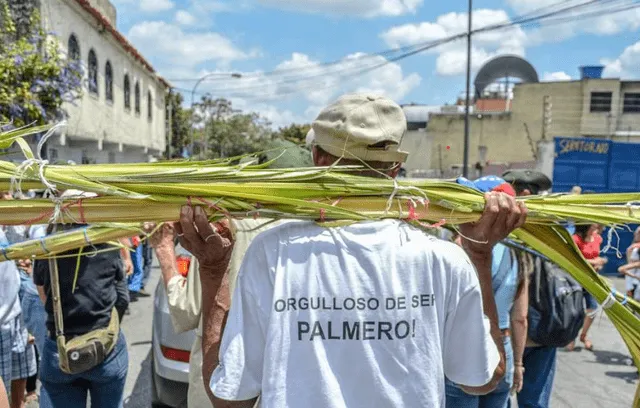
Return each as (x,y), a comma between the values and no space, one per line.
(589,241)
(13,338)
(4,399)
(34,317)
(631,270)
(147,261)
(510,289)
(538,361)
(184,292)
(341,308)
(17,355)
(91,298)
(137,276)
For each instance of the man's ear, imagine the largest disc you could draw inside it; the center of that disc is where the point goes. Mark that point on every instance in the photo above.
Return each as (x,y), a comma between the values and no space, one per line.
(526,192)
(319,159)
(395,170)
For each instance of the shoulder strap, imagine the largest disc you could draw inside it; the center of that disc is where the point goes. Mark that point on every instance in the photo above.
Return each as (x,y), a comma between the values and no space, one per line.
(55,293)
(498,261)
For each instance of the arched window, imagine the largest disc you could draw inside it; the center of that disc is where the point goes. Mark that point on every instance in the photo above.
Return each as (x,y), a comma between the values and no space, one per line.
(137,97)
(73,48)
(127,92)
(149,106)
(108,82)
(93,72)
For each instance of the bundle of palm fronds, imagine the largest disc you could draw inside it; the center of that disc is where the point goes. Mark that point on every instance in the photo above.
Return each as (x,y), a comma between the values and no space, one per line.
(156,191)
(55,244)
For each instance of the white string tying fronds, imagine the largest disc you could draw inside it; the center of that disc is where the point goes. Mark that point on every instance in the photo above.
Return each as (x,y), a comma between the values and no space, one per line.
(27,164)
(457,230)
(607,304)
(422,198)
(612,230)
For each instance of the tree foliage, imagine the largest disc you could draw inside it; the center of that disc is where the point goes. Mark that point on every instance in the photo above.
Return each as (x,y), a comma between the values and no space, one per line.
(35,78)
(179,124)
(294,133)
(226,132)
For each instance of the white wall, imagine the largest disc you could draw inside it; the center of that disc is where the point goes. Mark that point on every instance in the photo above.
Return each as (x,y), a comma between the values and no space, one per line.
(417,143)
(94,118)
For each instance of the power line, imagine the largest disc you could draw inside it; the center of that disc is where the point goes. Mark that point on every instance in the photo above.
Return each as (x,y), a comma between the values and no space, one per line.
(423,47)
(384,53)
(549,14)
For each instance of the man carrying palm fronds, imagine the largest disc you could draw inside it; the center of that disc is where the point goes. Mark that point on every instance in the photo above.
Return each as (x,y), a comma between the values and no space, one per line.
(321,314)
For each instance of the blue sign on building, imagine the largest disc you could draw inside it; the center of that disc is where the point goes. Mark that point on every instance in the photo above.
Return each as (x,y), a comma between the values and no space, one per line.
(600,166)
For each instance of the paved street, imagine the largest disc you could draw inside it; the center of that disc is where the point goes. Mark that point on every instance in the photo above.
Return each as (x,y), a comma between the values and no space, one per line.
(584,379)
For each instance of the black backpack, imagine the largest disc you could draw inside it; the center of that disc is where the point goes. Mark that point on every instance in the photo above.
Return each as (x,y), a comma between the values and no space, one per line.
(556,310)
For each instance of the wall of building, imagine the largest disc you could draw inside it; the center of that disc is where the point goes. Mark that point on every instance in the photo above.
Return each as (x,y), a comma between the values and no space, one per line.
(504,134)
(627,124)
(93,118)
(419,146)
(106,9)
(600,124)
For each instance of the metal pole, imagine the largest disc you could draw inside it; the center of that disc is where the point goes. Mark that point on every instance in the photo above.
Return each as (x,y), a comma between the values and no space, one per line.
(465,161)
(170,120)
(234,75)
(193,93)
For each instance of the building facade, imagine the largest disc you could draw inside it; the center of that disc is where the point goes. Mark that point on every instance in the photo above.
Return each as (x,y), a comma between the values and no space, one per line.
(121,115)
(508,134)
(415,140)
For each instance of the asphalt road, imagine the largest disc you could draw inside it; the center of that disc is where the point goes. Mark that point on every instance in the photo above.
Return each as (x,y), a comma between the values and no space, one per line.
(584,379)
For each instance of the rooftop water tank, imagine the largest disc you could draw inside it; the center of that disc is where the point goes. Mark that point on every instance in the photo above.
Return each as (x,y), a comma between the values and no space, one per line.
(591,72)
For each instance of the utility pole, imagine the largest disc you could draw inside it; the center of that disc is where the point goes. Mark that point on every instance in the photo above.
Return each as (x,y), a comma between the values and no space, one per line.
(465,161)
(170,124)
(546,116)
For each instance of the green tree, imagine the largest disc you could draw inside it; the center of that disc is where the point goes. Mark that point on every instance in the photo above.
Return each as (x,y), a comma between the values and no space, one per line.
(35,79)
(294,133)
(180,121)
(227,132)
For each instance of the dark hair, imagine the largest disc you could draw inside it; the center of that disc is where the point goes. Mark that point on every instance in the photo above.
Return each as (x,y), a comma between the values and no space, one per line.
(519,186)
(582,230)
(378,166)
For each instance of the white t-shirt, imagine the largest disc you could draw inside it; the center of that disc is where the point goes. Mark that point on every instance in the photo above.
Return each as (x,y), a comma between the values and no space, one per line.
(369,315)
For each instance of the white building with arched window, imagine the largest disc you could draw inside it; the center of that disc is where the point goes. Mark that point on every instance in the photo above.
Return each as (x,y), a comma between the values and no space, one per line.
(106,125)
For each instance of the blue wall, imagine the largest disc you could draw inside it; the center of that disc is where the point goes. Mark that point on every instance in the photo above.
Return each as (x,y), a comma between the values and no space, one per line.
(601,166)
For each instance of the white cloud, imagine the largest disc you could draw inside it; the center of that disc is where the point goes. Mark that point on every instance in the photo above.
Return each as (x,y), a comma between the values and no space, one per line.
(556,76)
(156,5)
(599,23)
(308,86)
(626,65)
(183,17)
(172,47)
(452,56)
(362,8)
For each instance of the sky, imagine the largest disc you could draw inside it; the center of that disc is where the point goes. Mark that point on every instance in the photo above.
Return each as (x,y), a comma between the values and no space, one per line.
(187,39)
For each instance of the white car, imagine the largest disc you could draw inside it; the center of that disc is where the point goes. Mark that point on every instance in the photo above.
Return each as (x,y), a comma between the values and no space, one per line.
(170,351)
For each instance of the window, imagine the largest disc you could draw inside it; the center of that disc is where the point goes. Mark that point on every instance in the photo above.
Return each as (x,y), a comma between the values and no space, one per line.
(137,97)
(631,103)
(108,82)
(149,106)
(112,157)
(127,92)
(73,49)
(601,101)
(93,72)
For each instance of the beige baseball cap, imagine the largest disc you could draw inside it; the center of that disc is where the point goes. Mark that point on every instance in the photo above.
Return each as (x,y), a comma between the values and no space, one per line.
(363,126)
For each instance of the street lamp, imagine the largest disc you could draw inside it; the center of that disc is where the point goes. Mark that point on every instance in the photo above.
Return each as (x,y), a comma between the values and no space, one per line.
(233,75)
